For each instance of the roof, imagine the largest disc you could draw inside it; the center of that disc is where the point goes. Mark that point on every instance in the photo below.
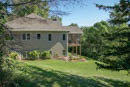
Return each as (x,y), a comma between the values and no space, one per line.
(73,29)
(34,22)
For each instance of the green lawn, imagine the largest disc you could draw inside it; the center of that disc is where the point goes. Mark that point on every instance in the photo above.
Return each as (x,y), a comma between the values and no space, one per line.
(56,73)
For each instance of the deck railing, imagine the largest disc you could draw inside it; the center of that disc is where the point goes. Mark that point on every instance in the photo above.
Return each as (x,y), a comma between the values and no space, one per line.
(74,43)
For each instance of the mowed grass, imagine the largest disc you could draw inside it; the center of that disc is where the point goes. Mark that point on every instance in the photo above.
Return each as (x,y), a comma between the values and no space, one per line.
(56,73)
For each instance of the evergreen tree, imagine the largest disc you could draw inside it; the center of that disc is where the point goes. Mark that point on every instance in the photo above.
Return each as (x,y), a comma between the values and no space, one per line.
(118,49)
(6,66)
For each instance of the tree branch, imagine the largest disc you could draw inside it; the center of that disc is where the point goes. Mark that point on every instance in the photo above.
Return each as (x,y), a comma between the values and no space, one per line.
(105,7)
(24,3)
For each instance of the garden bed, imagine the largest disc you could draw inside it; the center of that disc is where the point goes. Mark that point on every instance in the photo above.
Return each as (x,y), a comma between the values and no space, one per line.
(62,58)
(79,60)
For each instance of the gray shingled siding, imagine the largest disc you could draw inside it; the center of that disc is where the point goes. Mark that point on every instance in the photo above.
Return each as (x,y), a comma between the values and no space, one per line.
(56,46)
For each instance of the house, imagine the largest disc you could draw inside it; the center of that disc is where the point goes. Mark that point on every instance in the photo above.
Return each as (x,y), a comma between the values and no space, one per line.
(33,32)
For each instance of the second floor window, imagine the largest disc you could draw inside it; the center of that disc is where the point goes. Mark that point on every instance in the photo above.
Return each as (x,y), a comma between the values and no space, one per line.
(26,36)
(49,37)
(64,38)
(38,36)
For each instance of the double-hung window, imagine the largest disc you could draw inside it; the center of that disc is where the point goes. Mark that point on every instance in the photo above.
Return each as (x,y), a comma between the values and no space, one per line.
(64,37)
(49,37)
(38,36)
(26,36)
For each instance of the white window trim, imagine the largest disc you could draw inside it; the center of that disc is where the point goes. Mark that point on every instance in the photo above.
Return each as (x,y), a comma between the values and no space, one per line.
(48,37)
(63,36)
(25,36)
(40,36)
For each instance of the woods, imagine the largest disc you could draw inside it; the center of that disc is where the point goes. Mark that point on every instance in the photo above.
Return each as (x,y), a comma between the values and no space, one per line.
(118,51)
(94,39)
(110,42)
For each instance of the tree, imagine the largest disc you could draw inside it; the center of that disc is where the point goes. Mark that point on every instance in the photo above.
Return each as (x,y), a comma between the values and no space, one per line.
(73,24)
(56,18)
(41,8)
(6,66)
(118,53)
(94,39)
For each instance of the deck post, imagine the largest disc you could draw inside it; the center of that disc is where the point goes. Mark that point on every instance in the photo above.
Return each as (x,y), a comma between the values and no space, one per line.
(76,48)
(72,50)
(80,50)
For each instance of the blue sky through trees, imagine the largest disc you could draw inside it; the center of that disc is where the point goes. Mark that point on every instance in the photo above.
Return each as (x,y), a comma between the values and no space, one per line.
(87,15)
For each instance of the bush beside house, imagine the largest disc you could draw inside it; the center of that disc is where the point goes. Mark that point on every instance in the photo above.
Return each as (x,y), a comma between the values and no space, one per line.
(46,55)
(31,55)
(34,54)
(14,55)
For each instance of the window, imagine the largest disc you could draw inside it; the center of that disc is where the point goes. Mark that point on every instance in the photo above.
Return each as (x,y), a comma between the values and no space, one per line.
(26,36)
(64,38)
(38,36)
(49,37)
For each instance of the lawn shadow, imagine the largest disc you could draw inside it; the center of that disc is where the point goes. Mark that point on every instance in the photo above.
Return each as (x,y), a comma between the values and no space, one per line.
(37,77)
(115,83)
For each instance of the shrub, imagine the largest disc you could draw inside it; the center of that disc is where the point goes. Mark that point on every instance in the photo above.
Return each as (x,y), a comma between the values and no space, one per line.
(46,55)
(13,55)
(7,71)
(34,54)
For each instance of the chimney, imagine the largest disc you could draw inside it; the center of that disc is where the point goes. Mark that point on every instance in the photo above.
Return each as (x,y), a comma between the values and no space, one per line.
(57,19)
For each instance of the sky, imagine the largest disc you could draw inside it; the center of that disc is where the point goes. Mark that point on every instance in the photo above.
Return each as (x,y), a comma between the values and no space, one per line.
(87,15)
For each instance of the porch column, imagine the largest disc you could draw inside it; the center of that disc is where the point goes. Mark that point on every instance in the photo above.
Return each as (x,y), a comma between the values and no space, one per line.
(72,50)
(80,50)
(76,49)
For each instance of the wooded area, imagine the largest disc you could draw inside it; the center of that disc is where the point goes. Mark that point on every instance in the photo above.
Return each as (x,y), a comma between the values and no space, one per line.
(110,41)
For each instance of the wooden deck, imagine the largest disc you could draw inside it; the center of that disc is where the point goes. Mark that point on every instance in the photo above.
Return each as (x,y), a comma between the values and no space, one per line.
(74,45)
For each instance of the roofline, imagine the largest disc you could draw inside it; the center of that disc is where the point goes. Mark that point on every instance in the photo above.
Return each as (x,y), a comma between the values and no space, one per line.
(45,30)
(76,33)
(20,30)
